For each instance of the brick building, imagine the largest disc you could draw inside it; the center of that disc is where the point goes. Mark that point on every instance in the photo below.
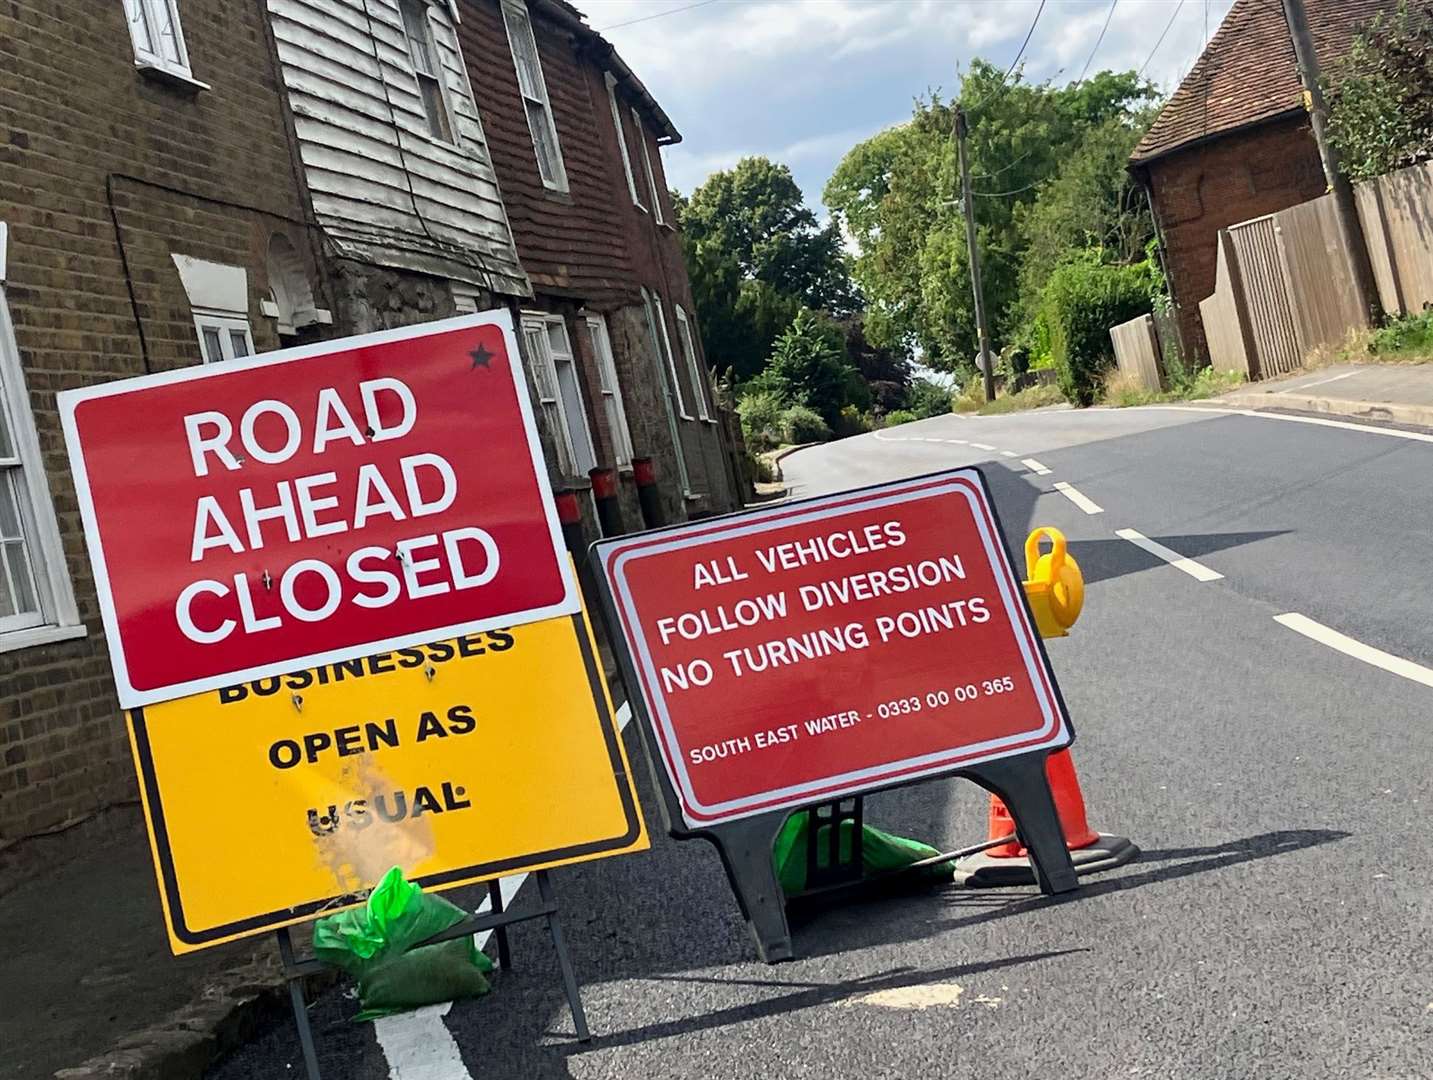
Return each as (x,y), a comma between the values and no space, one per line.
(1234,142)
(200,180)
(576,138)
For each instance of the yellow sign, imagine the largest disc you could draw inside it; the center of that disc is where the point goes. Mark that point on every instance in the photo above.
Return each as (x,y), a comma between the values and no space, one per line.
(279,800)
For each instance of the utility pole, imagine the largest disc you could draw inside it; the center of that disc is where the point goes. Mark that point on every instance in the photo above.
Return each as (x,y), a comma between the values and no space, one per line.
(967,206)
(1350,227)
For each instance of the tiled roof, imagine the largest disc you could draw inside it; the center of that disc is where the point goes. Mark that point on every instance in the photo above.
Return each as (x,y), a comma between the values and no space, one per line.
(1247,71)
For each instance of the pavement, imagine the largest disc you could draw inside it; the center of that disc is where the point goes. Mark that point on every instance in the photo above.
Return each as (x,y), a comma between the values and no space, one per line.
(1251,686)
(1402,393)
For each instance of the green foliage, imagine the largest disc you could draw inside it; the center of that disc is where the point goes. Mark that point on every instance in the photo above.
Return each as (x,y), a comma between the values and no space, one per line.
(928,399)
(758,469)
(760,413)
(1381,94)
(885,373)
(1402,338)
(1081,301)
(852,421)
(893,193)
(900,416)
(1035,397)
(972,398)
(801,424)
(1092,203)
(808,367)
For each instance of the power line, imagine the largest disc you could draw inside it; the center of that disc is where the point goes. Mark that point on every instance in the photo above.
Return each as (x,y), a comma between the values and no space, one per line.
(656,15)
(1167,27)
(1002,194)
(1005,79)
(1099,41)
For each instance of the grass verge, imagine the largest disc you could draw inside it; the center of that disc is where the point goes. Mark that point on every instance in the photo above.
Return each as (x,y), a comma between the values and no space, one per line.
(1122,390)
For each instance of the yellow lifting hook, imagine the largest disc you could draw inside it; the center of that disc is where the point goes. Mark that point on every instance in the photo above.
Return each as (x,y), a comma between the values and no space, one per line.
(1054,586)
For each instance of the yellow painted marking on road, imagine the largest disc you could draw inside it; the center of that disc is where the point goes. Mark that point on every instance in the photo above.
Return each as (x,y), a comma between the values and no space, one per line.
(928,996)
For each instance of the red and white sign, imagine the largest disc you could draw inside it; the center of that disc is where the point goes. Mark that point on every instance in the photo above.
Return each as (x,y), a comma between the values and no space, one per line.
(832,646)
(306,507)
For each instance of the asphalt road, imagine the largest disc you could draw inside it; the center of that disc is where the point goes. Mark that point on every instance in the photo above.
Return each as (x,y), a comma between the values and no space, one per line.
(1279,923)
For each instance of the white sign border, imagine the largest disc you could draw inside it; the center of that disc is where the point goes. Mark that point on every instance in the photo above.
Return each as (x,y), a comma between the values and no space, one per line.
(844,784)
(129,696)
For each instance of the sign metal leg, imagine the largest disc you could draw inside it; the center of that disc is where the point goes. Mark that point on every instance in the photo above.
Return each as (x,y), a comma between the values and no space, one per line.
(300,1006)
(564,961)
(745,848)
(1020,781)
(495,902)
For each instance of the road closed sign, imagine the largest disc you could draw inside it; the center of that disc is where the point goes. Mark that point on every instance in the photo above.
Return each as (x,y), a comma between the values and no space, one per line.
(278,799)
(251,518)
(832,646)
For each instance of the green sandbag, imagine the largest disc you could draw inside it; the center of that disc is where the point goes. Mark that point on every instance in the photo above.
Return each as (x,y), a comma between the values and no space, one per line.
(375,944)
(881,852)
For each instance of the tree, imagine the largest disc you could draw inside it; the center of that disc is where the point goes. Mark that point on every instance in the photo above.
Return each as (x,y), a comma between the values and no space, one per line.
(895,195)
(1381,95)
(756,214)
(885,371)
(808,367)
(1092,202)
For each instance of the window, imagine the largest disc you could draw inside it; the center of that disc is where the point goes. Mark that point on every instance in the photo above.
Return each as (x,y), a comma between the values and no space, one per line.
(223,337)
(611,391)
(694,366)
(647,166)
(426,67)
(559,393)
(158,39)
(37,603)
(660,317)
(534,95)
(667,374)
(622,140)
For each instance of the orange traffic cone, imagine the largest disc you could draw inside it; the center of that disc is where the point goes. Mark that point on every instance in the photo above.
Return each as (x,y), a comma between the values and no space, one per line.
(1009,864)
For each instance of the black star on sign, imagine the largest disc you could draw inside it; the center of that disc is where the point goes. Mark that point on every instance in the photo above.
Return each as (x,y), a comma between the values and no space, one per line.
(481,357)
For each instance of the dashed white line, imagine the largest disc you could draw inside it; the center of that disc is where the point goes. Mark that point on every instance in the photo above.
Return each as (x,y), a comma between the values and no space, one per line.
(981,446)
(1034,466)
(1077,497)
(1317,631)
(1010,453)
(1198,571)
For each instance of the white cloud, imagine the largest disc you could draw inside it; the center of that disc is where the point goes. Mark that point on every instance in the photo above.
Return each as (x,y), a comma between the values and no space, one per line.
(802,81)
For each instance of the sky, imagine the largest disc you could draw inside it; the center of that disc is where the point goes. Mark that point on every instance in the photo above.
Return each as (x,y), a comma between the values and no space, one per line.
(803,81)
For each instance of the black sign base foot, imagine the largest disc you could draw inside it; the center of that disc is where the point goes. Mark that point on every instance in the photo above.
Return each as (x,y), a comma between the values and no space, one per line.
(745,847)
(984,872)
(496,920)
(1021,783)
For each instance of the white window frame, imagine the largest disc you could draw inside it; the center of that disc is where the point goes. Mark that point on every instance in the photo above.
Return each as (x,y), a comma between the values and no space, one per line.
(437,77)
(575,450)
(56,616)
(670,358)
(653,312)
(224,324)
(611,387)
(694,365)
(622,141)
(647,165)
(518,22)
(150,15)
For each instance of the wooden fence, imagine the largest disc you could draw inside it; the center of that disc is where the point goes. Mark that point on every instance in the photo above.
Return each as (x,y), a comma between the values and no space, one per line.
(1137,351)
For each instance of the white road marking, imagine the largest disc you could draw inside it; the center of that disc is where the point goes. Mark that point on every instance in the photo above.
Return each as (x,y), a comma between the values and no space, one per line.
(418,1045)
(1081,500)
(923,996)
(981,446)
(1358,650)
(1198,571)
(1321,382)
(1010,453)
(1392,433)
(1034,466)
(958,442)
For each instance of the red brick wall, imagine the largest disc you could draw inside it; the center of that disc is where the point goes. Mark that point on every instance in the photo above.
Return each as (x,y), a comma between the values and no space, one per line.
(73,109)
(1199,191)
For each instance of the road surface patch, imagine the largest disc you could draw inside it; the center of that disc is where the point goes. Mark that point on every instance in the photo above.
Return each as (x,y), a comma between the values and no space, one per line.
(1198,571)
(1324,635)
(1083,501)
